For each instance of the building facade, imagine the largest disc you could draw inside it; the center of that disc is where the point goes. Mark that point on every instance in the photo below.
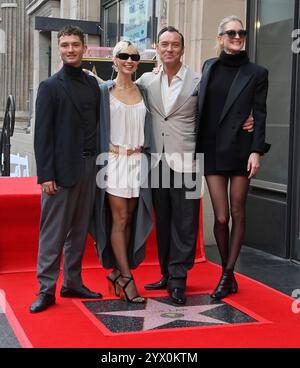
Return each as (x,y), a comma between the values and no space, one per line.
(16,68)
(273,207)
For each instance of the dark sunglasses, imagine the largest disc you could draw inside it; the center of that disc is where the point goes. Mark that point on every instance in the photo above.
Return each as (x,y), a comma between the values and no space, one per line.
(232,34)
(125,56)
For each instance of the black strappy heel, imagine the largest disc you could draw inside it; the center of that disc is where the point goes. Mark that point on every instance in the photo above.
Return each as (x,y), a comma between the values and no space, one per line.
(113,286)
(137,299)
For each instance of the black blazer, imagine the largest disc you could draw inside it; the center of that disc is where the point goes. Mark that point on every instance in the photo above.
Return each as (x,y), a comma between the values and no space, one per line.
(247,95)
(59,130)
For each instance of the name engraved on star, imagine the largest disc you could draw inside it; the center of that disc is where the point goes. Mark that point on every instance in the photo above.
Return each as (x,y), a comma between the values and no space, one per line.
(172,315)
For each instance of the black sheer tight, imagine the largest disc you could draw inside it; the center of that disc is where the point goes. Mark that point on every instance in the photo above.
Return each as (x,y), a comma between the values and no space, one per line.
(229,244)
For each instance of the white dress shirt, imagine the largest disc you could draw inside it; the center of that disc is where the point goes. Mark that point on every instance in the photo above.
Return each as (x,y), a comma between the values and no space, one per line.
(170,92)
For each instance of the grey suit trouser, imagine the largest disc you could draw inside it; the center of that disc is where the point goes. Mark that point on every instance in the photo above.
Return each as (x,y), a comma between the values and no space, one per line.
(177,220)
(64,226)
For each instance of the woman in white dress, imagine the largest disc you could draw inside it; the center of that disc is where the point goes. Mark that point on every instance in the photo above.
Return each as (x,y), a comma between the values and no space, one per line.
(125,216)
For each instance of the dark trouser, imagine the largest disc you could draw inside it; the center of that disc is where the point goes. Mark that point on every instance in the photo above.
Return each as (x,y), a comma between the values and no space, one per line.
(177,220)
(64,224)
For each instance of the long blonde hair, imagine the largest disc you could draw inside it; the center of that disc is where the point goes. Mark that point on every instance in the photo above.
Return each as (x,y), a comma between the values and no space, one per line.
(221,29)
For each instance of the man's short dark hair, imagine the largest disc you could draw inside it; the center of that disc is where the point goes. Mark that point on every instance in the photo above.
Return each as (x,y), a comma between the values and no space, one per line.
(171,29)
(70,31)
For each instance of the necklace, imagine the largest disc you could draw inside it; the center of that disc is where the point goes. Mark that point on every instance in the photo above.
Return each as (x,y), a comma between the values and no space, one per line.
(124,88)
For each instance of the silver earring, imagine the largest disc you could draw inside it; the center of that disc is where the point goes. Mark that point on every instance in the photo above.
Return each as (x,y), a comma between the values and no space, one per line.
(113,72)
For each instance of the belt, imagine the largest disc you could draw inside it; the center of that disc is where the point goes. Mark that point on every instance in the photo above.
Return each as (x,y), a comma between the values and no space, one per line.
(123,151)
(89,153)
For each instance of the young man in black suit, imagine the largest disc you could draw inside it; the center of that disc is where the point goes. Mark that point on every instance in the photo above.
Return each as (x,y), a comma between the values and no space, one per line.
(67,114)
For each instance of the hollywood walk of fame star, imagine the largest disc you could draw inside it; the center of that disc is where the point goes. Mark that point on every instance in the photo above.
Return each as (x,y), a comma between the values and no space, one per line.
(157,314)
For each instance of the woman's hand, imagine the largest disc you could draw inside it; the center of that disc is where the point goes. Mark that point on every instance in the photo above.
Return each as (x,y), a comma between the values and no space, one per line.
(249,124)
(253,164)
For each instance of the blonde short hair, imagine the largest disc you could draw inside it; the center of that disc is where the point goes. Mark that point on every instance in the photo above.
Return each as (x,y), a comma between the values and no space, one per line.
(121,46)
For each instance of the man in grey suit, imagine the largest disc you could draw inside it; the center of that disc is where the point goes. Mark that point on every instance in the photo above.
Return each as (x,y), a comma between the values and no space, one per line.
(67,115)
(172,97)
(173,100)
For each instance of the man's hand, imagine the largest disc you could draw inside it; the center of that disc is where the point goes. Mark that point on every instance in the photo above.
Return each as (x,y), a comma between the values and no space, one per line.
(157,69)
(253,164)
(49,187)
(249,124)
(98,79)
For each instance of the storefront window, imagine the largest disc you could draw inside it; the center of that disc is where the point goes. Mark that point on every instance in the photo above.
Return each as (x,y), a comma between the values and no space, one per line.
(274,25)
(134,20)
(111,24)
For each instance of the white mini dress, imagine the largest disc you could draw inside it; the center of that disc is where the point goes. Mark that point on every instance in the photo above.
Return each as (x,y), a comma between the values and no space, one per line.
(127,132)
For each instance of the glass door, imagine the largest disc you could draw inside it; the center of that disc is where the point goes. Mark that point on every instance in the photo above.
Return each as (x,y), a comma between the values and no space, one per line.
(274,26)
(278,49)
(294,202)
(269,209)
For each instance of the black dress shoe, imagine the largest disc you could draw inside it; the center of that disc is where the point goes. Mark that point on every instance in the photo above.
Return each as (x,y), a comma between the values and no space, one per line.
(161,284)
(177,295)
(82,292)
(42,303)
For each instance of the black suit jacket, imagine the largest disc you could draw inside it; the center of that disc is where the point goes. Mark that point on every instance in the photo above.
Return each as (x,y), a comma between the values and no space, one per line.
(247,95)
(59,130)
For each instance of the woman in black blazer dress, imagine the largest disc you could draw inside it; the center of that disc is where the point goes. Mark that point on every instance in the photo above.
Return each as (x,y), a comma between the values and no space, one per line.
(231,88)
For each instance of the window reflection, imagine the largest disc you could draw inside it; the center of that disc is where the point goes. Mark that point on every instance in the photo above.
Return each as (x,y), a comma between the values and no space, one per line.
(274,27)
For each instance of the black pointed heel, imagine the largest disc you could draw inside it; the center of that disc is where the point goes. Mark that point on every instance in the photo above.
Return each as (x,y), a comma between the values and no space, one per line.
(227,285)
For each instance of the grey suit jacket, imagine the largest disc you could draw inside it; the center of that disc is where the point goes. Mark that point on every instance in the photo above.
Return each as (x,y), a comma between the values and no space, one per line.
(175,132)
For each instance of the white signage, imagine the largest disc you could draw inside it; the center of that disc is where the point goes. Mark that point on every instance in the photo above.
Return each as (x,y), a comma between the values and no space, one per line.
(136,16)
